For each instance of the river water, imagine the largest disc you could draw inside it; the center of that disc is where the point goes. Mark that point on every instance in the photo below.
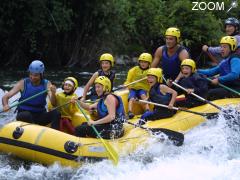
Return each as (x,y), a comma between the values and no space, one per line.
(211,151)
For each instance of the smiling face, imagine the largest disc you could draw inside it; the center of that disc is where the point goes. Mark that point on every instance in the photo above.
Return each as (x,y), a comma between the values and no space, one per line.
(106,65)
(99,89)
(151,80)
(186,71)
(35,78)
(68,88)
(225,50)
(143,64)
(171,41)
(230,29)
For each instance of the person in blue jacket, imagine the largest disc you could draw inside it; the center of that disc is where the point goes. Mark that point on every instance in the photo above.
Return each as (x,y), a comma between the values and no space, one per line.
(171,55)
(110,112)
(232,26)
(194,83)
(228,70)
(33,110)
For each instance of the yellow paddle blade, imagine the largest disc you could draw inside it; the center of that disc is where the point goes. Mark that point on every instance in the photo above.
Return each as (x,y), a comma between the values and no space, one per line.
(112,154)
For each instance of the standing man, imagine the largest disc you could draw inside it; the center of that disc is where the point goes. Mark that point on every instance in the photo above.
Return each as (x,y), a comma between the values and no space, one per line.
(33,110)
(171,55)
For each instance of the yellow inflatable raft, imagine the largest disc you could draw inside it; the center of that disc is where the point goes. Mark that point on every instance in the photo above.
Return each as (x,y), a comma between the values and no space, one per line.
(45,145)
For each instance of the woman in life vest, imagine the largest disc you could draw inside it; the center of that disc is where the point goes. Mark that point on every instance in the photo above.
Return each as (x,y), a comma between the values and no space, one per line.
(110,112)
(159,93)
(106,63)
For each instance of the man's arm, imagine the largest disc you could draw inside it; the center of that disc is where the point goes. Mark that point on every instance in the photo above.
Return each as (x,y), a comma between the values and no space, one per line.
(17,88)
(157,57)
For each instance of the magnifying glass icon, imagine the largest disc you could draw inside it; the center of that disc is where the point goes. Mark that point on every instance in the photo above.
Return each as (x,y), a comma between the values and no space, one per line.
(234,4)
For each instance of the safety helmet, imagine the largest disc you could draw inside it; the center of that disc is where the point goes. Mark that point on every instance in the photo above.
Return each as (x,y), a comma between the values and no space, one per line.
(107,57)
(72,79)
(232,21)
(189,62)
(36,66)
(156,72)
(145,57)
(231,41)
(172,31)
(105,82)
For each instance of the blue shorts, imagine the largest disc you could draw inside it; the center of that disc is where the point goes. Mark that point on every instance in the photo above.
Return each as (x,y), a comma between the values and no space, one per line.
(136,93)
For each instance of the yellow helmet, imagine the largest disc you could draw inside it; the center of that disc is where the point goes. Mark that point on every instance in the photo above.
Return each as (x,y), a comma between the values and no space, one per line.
(72,79)
(189,62)
(107,57)
(172,31)
(231,41)
(145,57)
(103,80)
(156,72)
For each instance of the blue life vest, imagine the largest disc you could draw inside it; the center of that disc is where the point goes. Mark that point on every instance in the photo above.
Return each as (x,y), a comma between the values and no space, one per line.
(156,96)
(103,111)
(36,104)
(171,65)
(225,66)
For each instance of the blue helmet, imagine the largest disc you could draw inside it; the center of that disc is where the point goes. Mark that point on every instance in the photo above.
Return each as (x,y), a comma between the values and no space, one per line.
(36,66)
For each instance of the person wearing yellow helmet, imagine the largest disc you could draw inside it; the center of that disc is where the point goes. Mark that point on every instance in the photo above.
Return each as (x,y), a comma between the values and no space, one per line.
(33,110)
(193,82)
(159,93)
(171,55)
(232,26)
(69,86)
(228,70)
(139,89)
(110,112)
(106,63)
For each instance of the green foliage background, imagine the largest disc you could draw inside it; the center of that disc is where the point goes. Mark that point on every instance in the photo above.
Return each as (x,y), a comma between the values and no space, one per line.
(75,32)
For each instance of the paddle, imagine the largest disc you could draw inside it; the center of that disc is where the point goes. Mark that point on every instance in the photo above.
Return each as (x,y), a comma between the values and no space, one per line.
(176,137)
(225,87)
(197,96)
(111,152)
(27,99)
(126,85)
(180,109)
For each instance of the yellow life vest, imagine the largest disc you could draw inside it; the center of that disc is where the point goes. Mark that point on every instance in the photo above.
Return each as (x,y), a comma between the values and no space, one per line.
(70,109)
(134,74)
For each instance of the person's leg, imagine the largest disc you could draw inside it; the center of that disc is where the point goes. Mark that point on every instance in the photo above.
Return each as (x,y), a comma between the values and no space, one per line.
(131,97)
(25,116)
(143,96)
(218,93)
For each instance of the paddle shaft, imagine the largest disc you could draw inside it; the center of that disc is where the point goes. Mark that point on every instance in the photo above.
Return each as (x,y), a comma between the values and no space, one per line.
(112,153)
(27,99)
(178,109)
(197,96)
(225,87)
(126,85)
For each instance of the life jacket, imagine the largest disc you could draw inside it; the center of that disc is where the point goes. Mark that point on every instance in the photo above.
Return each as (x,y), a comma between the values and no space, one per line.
(36,104)
(103,111)
(225,68)
(156,96)
(137,73)
(196,82)
(68,110)
(171,66)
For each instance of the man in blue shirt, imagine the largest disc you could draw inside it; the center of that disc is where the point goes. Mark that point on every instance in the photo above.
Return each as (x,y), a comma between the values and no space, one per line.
(228,70)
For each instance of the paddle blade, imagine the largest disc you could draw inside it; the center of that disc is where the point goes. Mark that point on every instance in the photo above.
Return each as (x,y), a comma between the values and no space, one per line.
(176,137)
(112,154)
